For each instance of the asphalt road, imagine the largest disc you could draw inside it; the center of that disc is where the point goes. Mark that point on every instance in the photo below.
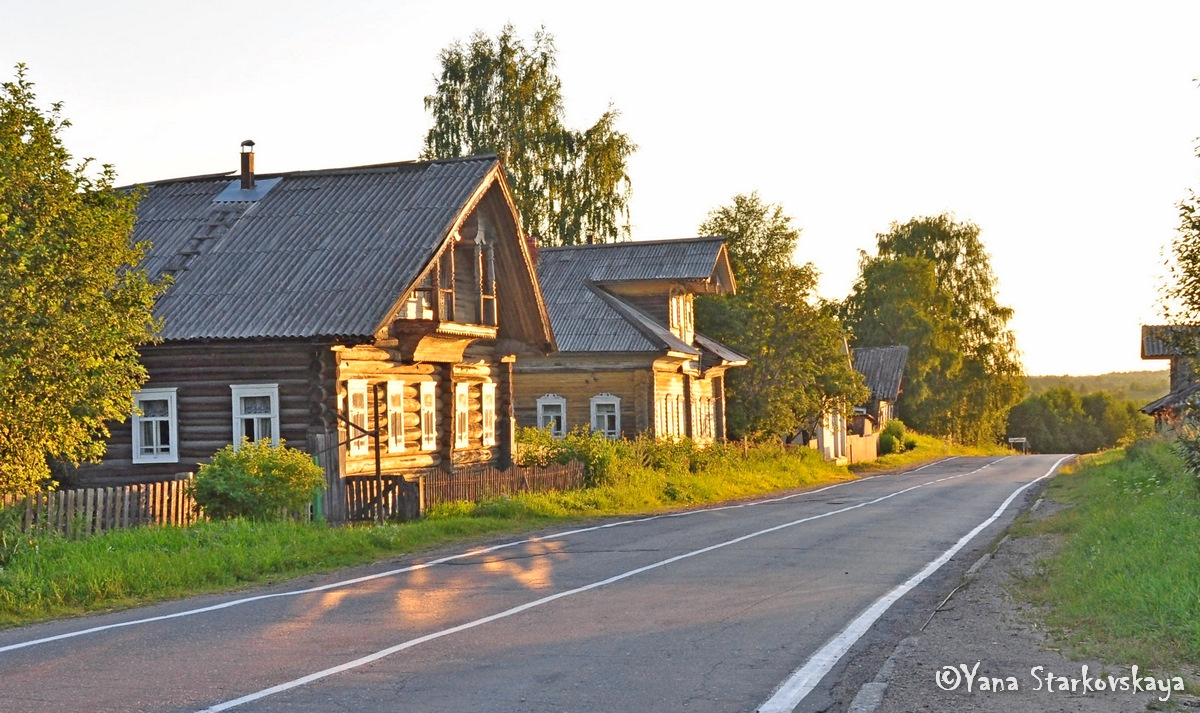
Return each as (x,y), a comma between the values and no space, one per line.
(759,606)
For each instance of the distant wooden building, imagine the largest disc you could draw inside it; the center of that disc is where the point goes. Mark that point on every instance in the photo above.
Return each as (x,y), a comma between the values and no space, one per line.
(883,371)
(630,361)
(1179,344)
(400,289)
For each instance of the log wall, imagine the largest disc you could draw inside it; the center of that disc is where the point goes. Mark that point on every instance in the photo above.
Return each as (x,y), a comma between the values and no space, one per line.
(202,373)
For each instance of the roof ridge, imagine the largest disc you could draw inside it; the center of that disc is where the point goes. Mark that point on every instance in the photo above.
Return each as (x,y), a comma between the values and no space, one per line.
(334,171)
(626,243)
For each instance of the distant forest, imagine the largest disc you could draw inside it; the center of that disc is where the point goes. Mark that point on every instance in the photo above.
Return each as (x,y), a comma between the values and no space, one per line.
(1141,387)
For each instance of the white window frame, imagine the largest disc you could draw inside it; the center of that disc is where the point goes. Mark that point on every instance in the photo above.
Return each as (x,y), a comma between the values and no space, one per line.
(488,407)
(543,417)
(428,393)
(172,418)
(607,400)
(239,391)
(360,443)
(395,416)
(462,414)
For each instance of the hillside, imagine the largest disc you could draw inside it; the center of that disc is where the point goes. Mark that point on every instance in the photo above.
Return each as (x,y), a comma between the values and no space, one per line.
(1141,387)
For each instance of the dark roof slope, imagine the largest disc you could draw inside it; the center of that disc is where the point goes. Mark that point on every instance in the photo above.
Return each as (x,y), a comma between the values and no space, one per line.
(1163,341)
(689,260)
(882,369)
(585,318)
(318,253)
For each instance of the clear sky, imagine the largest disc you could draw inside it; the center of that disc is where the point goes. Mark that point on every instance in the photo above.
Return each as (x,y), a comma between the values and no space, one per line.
(1065,130)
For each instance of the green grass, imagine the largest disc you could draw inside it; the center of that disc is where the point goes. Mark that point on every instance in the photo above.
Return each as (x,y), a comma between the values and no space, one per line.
(49,577)
(1125,585)
(928,448)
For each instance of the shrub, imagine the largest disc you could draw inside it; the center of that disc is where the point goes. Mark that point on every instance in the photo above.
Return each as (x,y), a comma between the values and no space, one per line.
(910,442)
(257,481)
(887,444)
(896,429)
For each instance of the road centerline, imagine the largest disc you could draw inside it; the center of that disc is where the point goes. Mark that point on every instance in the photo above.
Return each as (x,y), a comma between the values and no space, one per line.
(512,611)
(477,552)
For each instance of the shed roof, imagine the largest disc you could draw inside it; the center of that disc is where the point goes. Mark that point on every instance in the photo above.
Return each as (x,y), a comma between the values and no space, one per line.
(1163,341)
(882,369)
(1175,399)
(587,318)
(312,253)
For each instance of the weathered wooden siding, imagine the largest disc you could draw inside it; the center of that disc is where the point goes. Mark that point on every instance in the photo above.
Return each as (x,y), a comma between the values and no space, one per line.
(202,373)
(578,387)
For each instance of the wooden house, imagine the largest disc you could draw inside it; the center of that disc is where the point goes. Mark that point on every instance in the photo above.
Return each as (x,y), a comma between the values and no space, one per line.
(1180,344)
(391,297)
(630,360)
(883,370)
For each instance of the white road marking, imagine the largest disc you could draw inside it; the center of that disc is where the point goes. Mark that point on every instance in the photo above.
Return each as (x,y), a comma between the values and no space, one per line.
(804,679)
(382,653)
(431,563)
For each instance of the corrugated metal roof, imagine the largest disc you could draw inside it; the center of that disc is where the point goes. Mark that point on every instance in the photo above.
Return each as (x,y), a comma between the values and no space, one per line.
(882,369)
(1163,341)
(323,253)
(585,319)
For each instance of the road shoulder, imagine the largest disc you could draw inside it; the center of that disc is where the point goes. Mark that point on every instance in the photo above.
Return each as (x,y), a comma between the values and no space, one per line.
(998,639)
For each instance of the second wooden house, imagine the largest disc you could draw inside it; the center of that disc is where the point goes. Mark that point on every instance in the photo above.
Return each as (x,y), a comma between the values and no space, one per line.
(630,361)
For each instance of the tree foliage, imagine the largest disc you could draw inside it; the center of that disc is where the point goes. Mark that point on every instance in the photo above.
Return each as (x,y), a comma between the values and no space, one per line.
(1060,421)
(931,287)
(502,96)
(72,309)
(798,367)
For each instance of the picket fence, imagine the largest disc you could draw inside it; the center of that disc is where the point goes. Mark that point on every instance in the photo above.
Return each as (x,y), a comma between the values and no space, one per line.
(85,511)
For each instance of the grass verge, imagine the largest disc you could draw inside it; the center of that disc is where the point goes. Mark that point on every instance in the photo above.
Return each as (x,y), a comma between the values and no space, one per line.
(1125,584)
(50,577)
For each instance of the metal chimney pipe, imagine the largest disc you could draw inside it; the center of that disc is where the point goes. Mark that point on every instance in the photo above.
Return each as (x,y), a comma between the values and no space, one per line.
(247,165)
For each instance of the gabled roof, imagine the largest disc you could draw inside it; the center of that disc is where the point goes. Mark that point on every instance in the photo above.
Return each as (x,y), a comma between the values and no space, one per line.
(588,318)
(882,369)
(1163,341)
(306,254)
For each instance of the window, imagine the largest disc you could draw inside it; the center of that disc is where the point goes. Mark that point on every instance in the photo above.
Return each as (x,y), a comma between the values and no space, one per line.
(606,415)
(155,426)
(462,410)
(428,416)
(356,413)
(489,415)
(552,414)
(395,416)
(255,412)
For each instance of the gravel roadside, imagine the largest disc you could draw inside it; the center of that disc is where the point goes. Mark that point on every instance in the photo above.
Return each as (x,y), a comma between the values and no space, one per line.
(997,639)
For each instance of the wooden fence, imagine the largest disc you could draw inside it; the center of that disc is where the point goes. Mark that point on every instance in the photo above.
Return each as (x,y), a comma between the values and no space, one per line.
(407,497)
(82,512)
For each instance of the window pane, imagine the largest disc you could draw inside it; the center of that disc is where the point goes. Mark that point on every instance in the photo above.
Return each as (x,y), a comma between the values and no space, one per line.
(154,408)
(147,433)
(255,405)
